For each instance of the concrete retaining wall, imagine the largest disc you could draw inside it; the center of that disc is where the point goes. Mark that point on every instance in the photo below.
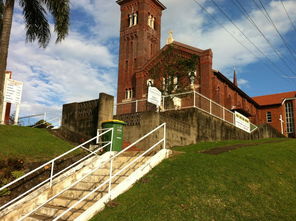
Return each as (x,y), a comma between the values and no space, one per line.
(188,126)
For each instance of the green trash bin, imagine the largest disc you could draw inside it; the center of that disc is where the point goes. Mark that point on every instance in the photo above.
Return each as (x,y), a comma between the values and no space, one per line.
(117,126)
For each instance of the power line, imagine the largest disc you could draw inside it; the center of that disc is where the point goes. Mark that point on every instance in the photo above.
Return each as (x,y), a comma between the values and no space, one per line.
(250,41)
(293,25)
(266,14)
(209,14)
(218,22)
(248,17)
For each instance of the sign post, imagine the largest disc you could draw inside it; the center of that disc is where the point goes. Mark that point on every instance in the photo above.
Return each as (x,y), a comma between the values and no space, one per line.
(154,96)
(242,122)
(6,77)
(13,95)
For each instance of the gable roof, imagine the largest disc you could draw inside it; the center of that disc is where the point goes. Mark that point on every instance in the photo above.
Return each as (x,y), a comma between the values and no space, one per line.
(274,99)
(176,46)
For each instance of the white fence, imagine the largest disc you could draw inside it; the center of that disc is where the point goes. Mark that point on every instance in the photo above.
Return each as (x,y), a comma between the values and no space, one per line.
(191,99)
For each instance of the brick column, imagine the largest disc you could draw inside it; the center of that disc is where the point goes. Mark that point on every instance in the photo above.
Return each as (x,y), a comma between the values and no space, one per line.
(206,73)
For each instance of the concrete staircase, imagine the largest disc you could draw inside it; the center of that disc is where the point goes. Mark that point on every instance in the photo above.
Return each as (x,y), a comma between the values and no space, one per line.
(61,203)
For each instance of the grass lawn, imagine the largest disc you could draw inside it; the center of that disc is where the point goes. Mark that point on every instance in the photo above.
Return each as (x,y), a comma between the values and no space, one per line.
(250,183)
(30,143)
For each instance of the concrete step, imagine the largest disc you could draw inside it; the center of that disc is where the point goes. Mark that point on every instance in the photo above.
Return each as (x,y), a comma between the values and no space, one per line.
(92,184)
(123,160)
(36,217)
(68,202)
(106,172)
(78,193)
(94,178)
(81,189)
(53,211)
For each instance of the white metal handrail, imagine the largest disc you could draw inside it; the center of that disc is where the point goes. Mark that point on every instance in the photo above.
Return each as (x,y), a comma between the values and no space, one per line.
(47,121)
(52,163)
(223,110)
(163,140)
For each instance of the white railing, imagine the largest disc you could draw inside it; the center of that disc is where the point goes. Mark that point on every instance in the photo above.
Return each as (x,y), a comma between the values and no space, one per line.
(54,118)
(111,174)
(191,99)
(51,164)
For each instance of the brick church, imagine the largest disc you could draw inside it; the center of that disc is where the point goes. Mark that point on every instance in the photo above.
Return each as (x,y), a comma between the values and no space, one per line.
(140,54)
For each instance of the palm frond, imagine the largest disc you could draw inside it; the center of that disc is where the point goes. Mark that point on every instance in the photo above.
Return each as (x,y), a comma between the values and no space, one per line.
(36,22)
(60,10)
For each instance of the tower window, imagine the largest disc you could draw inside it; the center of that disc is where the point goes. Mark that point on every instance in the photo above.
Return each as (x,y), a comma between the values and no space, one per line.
(151,21)
(133,19)
(129,93)
(268,117)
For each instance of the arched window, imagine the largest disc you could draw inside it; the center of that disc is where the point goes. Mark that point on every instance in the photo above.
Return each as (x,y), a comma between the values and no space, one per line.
(151,21)
(129,93)
(133,19)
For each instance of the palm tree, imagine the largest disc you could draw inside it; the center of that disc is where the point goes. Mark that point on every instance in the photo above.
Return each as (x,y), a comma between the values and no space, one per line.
(1,14)
(37,26)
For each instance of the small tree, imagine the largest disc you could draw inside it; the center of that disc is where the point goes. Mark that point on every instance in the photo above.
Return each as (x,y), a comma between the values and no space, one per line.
(172,73)
(42,124)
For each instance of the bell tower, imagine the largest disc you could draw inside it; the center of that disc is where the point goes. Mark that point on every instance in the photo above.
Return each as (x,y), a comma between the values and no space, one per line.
(140,29)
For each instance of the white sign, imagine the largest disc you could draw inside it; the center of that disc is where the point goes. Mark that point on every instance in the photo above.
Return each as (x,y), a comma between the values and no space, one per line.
(154,96)
(242,122)
(13,93)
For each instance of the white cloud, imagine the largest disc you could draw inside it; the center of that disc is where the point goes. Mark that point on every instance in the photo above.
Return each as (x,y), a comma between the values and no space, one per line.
(74,70)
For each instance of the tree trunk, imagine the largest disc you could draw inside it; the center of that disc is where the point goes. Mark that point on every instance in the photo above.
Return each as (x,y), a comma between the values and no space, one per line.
(4,44)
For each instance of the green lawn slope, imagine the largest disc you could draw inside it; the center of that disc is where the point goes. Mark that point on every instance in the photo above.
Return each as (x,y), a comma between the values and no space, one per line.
(249,183)
(30,143)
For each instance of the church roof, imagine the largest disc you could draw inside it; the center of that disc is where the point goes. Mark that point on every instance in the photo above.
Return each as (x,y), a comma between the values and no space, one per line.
(181,45)
(274,99)
(156,1)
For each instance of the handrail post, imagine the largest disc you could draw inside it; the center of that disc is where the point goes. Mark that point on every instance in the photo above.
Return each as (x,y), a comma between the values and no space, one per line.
(111,164)
(223,113)
(194,97)
(233,119)
(136,106)
(164,136)
(51,174)
(210,106)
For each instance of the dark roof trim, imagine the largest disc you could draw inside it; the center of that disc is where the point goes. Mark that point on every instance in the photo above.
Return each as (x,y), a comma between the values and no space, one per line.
(119,2)
(231,85)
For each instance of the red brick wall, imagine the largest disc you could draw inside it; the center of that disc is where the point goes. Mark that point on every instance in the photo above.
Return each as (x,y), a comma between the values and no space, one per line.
(137,43)
(276,111)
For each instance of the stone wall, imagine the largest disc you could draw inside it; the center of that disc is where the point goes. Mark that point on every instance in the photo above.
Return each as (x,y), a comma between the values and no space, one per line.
(186,127)
(80,121)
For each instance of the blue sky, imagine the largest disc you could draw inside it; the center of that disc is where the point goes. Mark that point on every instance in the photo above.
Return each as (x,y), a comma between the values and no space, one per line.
(85,64)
